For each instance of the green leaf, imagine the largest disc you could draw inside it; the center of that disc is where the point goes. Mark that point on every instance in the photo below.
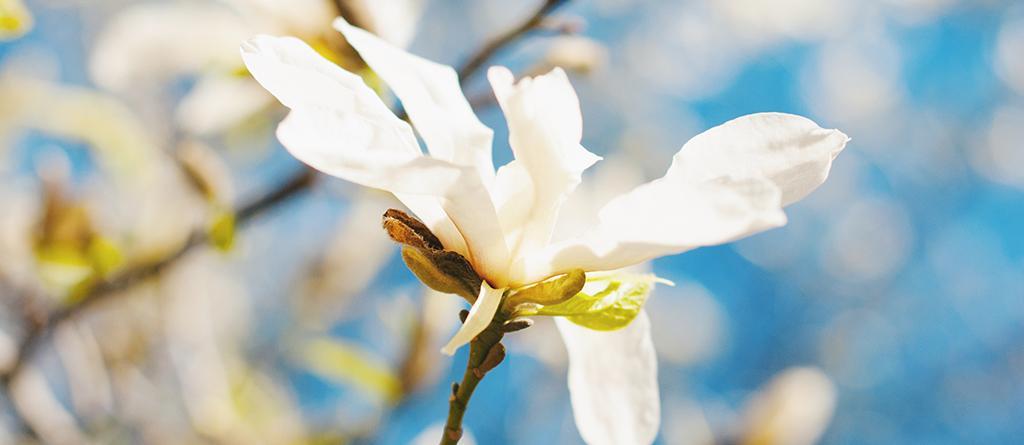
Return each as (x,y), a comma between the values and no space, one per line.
(222,230)
(347,363)
(626,301)
(613,307)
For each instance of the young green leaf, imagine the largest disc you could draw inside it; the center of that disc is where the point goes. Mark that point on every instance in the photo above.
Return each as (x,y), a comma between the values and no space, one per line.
(614,307)
(552,291)
(626,301)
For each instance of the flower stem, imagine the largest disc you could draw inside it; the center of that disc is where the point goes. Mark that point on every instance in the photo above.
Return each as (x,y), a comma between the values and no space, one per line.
(485,352)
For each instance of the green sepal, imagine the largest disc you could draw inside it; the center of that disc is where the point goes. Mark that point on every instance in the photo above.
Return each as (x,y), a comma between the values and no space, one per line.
(443,270)
(550,292)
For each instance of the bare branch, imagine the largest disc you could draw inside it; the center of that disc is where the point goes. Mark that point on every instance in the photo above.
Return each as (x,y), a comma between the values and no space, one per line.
(485,53)
(39,332)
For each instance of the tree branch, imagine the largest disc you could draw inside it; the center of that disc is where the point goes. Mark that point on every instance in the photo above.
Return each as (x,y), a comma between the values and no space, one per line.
(38,332)
(485,53)
(485,352)
(292,186)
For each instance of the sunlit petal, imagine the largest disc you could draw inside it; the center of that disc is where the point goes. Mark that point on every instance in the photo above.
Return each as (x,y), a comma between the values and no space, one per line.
(146,43)
(303,80)
(545,127)
(727,183)
(613,382)
(431,94)
(791,151)
(480,315)
(338,125)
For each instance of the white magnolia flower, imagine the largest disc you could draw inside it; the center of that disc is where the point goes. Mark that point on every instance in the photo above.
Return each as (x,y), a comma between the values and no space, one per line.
(143,46)
(727,183)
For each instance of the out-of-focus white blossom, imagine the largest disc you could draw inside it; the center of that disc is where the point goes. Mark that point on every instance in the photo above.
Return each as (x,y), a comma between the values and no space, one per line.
(143,47)
(998,155)
(871,241)
(794,408)
(688,325)
(207,316)
(576,53)
(147,44)
(760,21)
(1009,63)
(855,80)
(41,408)
(359,248)
(728,182)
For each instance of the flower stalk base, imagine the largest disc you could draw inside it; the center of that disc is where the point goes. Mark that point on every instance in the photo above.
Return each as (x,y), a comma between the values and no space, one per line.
(485,353)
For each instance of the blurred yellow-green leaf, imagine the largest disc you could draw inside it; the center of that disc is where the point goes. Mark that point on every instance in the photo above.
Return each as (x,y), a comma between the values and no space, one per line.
(15,19)
(347,363)
(222,230)
(104,255)
(63,268)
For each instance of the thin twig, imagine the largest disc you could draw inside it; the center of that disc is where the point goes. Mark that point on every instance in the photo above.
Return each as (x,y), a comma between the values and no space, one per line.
(37,333)
(481,56)
(290,187)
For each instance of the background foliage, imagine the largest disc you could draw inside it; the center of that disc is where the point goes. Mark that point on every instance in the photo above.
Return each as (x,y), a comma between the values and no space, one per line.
(901,281)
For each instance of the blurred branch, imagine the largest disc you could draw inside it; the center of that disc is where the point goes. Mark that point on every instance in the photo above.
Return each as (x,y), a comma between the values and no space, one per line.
(39,330)
(353,15)
(485,53)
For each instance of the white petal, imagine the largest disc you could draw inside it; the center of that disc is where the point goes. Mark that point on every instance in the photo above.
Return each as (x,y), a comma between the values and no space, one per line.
(145,43)
(613,382)
(480,315)
(339,126)
(420,182)
(303,80)
(662,217)
(512,193)
(350,147)
(762,162)
(545,127)
(791,151)
(431,94)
